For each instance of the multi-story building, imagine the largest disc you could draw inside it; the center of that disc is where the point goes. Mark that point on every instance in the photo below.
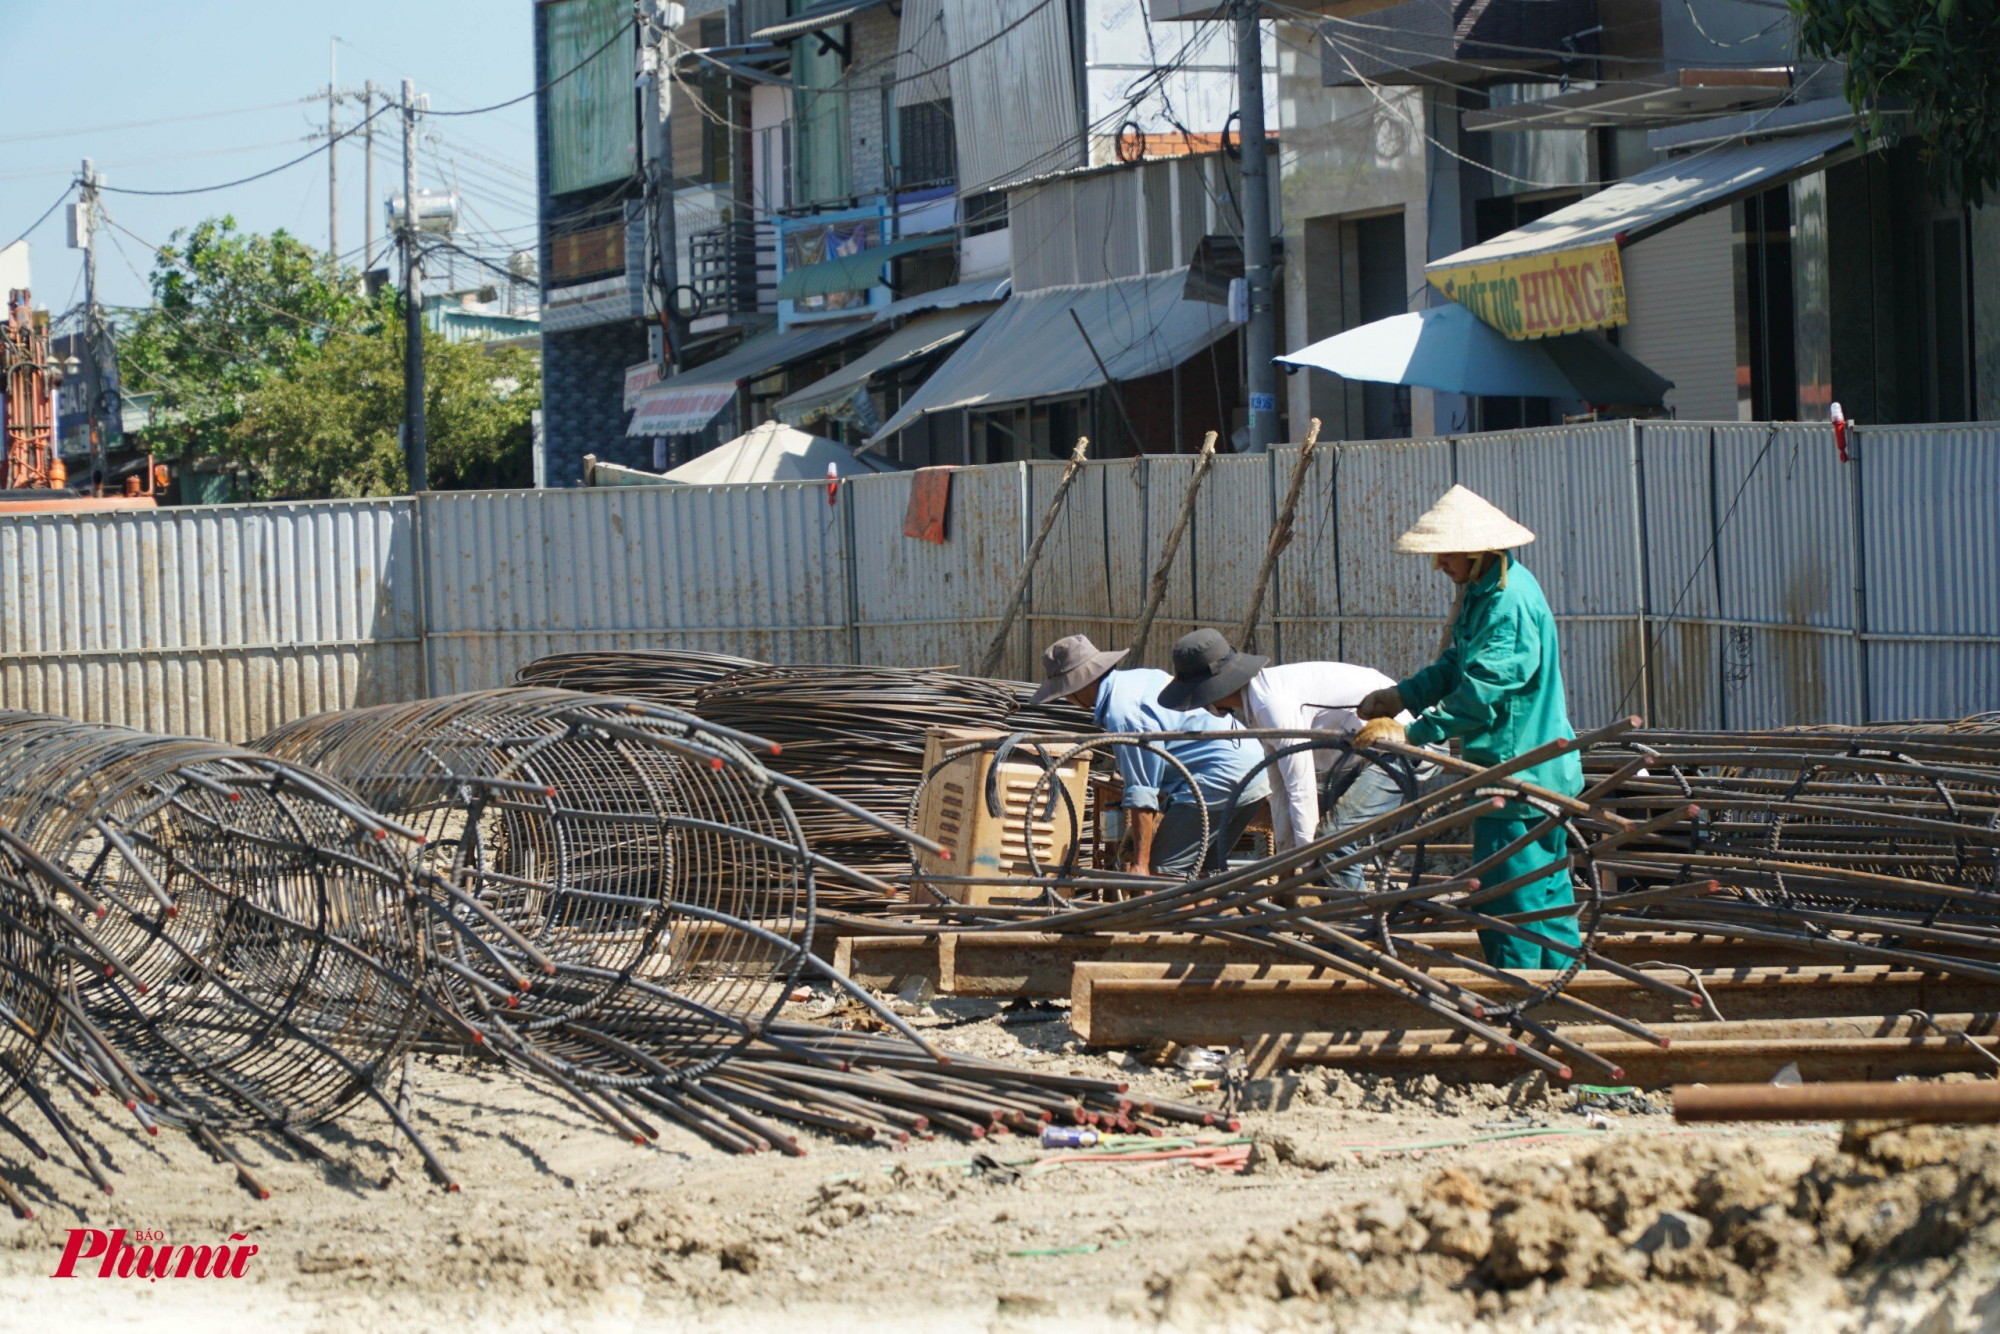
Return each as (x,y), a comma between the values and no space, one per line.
(1758,257)
(845,181)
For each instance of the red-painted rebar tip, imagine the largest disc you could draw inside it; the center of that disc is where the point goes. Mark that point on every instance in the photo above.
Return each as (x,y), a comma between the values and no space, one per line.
(944,1058)
(513,1002)
(548,970)
(131,1105)
(235,796)
(1562,1072)
(154,1131)
(1618,1072)
(110,971)
(944,854)
(1208,1118)
(263,1194)
(26,1214)
(639,1140)
(381,834)
(777,749)
(1233,1124)
(1511,1048)
(524,983)
(1695,1002)
(715,762)
(477,1038)
(451,1187)
(548,791)
(173,912)
(106,1189)
(102,911)
(979,1132)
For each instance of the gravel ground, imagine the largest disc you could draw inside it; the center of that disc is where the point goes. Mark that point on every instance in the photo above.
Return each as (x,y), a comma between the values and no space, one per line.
(560,1226)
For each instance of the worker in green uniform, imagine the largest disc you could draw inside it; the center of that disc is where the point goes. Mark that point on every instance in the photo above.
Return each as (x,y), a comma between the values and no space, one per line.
(1497,686)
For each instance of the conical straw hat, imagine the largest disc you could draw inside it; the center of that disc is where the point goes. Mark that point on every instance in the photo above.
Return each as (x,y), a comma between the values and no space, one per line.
(1463,522)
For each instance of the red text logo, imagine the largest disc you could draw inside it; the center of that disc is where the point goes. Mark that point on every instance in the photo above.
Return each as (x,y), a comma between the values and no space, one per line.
(150,1257)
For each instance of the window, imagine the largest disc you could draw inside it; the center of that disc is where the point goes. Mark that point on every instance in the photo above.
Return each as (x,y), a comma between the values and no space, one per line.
(1950,388)
(1767,336)
(819,143)
(926,153)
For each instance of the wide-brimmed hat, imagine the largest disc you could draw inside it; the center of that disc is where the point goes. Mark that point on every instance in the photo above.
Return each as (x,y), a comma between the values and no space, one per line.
(1068,665)
(1206,669)
(1462,522)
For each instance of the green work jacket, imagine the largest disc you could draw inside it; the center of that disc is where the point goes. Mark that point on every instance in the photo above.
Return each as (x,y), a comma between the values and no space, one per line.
(1498,686)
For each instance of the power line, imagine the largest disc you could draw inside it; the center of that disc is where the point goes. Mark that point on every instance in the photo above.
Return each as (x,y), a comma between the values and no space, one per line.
(283,166)
(46,214)
(147,124)
(625,28)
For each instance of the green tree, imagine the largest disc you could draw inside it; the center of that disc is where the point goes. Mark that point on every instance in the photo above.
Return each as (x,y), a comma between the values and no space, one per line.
(329,428)
(1938,58)
(230,312)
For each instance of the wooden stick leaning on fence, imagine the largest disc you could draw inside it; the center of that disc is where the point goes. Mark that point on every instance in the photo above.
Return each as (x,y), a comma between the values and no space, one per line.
(996,648)
(1281,537)
(1164,570)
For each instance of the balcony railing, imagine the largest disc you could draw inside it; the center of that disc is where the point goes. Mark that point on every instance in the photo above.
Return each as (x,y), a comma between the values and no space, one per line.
(732,267)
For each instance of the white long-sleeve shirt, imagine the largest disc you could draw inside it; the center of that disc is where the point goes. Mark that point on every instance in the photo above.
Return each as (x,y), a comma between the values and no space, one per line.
(1317,695)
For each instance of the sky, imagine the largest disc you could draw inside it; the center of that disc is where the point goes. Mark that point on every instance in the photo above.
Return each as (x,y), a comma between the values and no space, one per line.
(76,70)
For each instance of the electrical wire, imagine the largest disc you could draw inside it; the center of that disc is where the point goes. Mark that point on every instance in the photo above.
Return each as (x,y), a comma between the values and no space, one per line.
(148,124)
(47,213)
(610,42)
(282,166)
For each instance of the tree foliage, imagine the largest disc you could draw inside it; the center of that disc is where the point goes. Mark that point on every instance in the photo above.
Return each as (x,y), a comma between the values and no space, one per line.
(1938,58)
(268,360)
(330,427)
(229,312)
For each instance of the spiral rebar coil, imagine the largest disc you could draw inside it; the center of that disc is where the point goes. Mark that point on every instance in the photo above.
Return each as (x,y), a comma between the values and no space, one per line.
(594,854)
(260,963)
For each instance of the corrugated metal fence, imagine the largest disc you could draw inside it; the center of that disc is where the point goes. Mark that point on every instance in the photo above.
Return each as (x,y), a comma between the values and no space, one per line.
(1735,575)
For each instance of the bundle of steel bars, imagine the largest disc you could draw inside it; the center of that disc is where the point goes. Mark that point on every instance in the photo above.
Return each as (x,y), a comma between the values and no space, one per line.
(671,677)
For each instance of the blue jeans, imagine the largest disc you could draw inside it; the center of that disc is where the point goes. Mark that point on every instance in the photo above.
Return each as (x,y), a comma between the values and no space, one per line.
(1177,846)
(1373,793)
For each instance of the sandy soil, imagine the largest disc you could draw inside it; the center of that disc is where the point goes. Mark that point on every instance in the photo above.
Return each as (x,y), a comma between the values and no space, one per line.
(560,1226)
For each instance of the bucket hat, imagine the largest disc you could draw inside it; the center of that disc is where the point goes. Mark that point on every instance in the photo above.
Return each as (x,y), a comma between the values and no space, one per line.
(1070,664)
(1206,668)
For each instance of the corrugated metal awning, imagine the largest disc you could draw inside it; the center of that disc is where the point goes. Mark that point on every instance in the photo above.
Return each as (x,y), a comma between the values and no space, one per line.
(690,400)
(1031,348)
(944,298)
(1655,199)
(920,338)
(856,272)
(816,19)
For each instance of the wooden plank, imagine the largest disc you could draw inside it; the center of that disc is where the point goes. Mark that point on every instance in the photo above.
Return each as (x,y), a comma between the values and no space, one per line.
(1834,1048)
(1036,964)
(888,963)
(1125,1004)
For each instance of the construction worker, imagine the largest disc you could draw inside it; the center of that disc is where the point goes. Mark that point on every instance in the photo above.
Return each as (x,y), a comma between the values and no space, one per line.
(1166,819)
(1497,686)
(1314,792)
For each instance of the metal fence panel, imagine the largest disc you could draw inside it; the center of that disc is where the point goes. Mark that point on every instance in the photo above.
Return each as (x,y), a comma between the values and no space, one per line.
(1390,608)
(1930,511)
(220,621)
(1092,576)
(755,570)
(1676,462)
(925,604)
(1573,487)
(1232,526)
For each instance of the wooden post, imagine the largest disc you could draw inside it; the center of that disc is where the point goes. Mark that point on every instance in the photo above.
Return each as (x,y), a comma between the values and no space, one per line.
(998,645)
(1164,570)
(1281,537)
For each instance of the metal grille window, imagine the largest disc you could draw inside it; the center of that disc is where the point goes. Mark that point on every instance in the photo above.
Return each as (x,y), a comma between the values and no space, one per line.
(926,152)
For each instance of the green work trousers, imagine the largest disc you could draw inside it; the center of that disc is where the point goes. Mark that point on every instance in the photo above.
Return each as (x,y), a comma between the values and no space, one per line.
(1493,833)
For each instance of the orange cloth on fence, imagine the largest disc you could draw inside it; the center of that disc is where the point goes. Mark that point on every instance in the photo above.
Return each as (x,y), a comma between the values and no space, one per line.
(930,503)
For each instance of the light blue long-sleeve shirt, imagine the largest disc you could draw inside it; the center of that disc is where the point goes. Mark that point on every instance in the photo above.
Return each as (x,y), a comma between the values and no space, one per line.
(1129,701)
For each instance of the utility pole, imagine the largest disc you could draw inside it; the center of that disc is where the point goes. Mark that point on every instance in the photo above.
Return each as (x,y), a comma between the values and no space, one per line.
(93,384)
(659,149)
(413,307)
(332,158)
(1262,334)
(368,175)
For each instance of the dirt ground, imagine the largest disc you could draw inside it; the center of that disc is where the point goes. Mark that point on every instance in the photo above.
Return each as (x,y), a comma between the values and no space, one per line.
(560,1226)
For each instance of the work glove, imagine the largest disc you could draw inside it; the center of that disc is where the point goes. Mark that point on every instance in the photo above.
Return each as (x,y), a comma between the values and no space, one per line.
(1384,703)
(1378,729)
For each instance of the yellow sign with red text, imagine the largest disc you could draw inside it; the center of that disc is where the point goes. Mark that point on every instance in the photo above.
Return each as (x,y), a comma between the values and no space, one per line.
(1541,296)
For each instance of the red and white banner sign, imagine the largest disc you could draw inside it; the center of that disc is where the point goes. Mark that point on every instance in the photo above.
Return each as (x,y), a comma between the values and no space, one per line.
(638,379)
(679,409)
